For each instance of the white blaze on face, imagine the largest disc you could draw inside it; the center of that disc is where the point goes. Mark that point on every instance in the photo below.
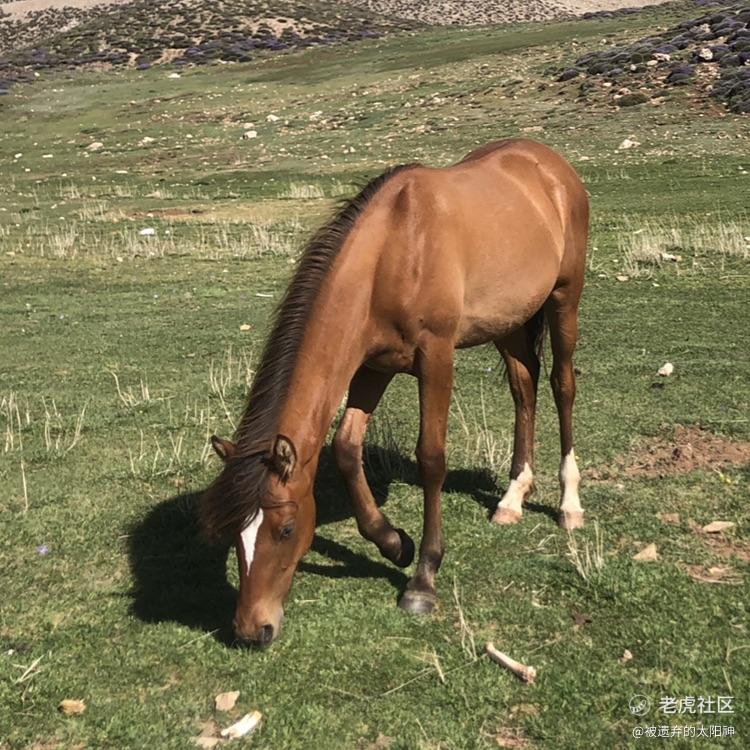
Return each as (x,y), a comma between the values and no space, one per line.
(518,490)
(249,537)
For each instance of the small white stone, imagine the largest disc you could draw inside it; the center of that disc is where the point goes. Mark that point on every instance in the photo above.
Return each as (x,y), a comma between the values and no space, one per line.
(147,232)
(666,369)
(628,143)
(249,134)
(272,118)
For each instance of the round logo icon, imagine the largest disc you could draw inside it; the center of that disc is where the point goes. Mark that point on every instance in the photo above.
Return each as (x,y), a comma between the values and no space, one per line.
(639,705)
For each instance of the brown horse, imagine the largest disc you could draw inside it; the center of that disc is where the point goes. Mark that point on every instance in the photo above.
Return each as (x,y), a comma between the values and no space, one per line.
(421,262)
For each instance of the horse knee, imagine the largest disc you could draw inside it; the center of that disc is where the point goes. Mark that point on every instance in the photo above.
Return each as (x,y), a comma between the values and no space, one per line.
(432,463)
(348,453)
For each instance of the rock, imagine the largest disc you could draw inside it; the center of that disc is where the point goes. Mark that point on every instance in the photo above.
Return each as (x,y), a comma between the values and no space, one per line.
(627,144)
(705,54)
(72,707)
(95,146)
(666,370)
(249,134)
(647,554)
(226,701)
(272,118)
(716,527)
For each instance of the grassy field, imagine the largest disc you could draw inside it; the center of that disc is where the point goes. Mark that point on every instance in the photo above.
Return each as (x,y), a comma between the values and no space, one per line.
(121,352)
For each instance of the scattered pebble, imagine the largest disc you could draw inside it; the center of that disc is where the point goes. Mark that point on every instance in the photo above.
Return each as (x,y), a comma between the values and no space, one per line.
(716,527)
(72,707)
(226,701)
(666,369)
(647,554)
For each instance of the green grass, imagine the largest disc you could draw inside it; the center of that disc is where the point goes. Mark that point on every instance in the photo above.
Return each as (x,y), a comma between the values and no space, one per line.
(130,611)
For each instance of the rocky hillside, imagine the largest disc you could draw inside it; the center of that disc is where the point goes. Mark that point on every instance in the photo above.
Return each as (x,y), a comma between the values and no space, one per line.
(183,31)
(484,12)
(709,54)
(449,12)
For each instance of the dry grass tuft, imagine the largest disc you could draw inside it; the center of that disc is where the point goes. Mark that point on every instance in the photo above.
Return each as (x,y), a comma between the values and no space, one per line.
(653,243)
(588,560)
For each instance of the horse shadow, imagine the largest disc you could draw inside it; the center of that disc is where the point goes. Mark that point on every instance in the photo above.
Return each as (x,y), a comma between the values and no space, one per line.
(178,577)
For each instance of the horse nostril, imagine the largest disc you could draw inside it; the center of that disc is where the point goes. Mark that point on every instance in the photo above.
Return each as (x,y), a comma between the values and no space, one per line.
(265,635)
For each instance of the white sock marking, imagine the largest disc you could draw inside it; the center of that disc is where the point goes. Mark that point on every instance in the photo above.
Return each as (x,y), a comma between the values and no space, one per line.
(517,490)
(248,538)
(570,478)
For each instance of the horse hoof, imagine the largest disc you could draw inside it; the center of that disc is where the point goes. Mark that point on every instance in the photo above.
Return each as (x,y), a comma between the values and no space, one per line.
(570,519)
(417,602)
(406,555)
(506,516)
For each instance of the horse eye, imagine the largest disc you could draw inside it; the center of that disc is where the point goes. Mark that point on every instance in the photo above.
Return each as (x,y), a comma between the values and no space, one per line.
(287,530)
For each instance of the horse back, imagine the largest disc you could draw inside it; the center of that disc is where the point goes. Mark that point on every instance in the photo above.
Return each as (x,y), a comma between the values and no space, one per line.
(474,250)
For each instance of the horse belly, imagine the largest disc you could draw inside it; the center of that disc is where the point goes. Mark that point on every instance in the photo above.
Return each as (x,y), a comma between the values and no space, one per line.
(494,308)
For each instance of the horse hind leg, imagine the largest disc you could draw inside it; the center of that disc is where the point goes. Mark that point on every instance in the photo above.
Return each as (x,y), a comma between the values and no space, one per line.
(522,364)
(561,310)
(365,391)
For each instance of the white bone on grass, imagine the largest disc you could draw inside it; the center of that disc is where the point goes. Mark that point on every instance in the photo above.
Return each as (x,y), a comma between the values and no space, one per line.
(524,673)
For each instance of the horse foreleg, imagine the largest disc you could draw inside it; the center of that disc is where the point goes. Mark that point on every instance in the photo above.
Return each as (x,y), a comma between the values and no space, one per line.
(435,372)
(365,391)
(522,364)
(562,313)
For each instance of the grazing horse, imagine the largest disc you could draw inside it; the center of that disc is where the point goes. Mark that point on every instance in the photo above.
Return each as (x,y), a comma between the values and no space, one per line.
(421,262)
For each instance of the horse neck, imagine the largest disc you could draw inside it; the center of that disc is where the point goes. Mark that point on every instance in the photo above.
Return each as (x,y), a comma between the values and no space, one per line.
(333,348)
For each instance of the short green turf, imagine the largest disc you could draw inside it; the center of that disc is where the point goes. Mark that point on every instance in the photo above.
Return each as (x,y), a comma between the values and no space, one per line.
(124,606)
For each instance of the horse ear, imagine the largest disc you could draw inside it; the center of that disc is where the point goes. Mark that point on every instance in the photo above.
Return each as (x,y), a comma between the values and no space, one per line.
(225,449)
(283,457)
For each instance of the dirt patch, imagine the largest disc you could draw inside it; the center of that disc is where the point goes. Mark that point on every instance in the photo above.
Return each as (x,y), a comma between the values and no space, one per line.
(511,738)
(168,213)
(21,8)
(688,449)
